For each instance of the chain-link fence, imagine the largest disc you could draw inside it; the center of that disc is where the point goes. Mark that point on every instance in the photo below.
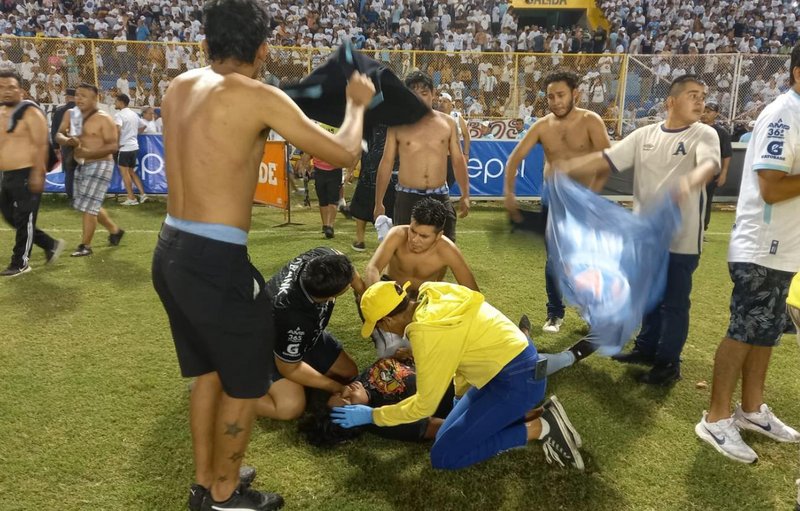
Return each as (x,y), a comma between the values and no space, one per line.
(49,66)
(627,91)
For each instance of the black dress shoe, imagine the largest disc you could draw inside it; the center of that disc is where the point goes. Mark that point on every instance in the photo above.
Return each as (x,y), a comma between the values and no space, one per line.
(635,357)
(663,375)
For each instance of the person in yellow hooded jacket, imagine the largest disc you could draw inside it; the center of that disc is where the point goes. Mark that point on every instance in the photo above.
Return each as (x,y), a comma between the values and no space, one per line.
(499,377)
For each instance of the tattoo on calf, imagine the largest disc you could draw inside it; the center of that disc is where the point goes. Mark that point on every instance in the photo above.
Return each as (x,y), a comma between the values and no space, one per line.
(236,456)
(222,479)
(233,429)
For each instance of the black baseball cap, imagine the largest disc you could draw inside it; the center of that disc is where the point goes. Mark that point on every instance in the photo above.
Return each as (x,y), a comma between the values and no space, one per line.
(712,106)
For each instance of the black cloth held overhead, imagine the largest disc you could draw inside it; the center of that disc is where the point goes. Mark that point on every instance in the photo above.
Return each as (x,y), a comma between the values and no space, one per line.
(322,94)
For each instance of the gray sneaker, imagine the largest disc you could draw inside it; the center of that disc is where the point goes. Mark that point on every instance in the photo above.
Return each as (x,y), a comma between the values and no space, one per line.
(53,255)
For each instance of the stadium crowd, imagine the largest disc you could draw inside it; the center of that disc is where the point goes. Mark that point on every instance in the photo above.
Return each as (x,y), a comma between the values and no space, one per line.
(709,26)
(673,38)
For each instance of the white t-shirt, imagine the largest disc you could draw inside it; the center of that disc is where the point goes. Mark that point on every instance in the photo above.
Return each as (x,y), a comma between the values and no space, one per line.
(173,59)
(660,157)
(123,86)
(129,124)
(150,128)
(769,234)
(605,64)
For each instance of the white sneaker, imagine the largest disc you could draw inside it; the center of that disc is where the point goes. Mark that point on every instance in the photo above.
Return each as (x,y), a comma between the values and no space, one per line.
(553,325)
(724,436)
(143,198)
(130,202)
(765,422)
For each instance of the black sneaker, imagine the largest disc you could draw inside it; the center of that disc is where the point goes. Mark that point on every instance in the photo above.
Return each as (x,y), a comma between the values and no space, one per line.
(328,232)
(14,271)
(196,495)
(198,492)
(82,251)
(582,349)
(245,499)
(635,357)
(558,445)
(114,239)
(553,402)
(525,324)
(53,255)
(359,246)
(663,375)
(345,210)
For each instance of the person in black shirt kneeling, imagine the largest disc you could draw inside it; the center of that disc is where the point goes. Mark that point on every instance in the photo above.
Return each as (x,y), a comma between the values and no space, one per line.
(301,298)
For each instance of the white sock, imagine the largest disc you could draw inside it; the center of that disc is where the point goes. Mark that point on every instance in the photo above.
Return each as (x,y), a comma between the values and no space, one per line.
(545,429)
(342,202)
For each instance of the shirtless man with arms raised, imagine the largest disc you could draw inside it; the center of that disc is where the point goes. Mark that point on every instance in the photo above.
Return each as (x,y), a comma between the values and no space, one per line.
(423,148)
(23,162)
(416,253)
(93,135)
(566,132)
(216,121)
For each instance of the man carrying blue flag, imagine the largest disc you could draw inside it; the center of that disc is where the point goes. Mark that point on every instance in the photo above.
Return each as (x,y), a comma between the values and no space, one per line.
(566,132)
(661,155)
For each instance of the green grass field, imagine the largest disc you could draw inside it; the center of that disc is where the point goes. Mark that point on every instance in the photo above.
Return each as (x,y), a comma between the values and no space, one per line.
(93,411)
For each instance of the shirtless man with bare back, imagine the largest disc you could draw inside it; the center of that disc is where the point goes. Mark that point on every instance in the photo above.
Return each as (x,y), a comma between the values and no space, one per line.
(566,132)
(23,164)
(93,135)
(216,121)
(423,148)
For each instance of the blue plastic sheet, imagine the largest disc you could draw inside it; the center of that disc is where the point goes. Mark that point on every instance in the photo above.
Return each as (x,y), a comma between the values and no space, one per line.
(610,262)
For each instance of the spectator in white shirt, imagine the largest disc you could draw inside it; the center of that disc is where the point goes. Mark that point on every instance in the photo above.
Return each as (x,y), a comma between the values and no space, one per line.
(129,125)
(150,125)
(123,84)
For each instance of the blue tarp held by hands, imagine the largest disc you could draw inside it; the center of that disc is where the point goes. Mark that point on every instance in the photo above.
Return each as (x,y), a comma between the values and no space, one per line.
(610,262)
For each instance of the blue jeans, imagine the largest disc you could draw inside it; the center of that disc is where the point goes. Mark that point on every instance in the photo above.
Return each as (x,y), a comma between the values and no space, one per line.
(664,330)
(555,305)
(491,419)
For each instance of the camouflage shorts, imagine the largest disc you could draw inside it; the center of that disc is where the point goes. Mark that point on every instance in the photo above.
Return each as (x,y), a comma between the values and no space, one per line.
(758,303)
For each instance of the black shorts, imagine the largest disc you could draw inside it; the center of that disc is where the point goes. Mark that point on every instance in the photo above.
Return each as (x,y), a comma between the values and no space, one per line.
(327,183)
(218,310)
(126,159)
(758,303)
(404,203)
(362,205)
(321,356)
